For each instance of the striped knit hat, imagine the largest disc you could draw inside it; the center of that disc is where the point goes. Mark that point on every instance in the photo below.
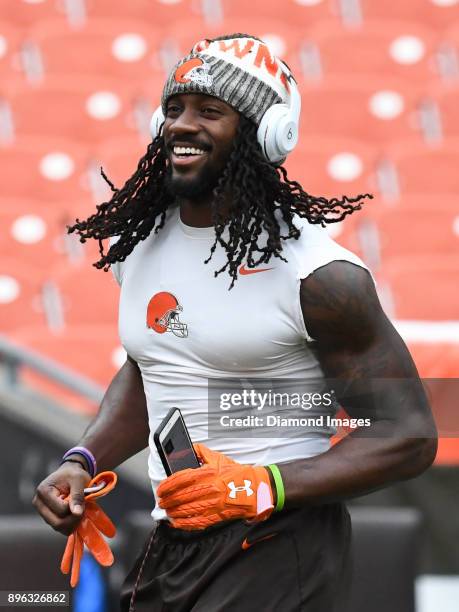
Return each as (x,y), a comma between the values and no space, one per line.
(239,70)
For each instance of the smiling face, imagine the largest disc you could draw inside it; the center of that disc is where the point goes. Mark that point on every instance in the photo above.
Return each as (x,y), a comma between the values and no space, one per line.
(199,132)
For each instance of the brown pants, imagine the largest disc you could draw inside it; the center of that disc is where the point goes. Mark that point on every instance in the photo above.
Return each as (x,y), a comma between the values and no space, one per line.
(295,561)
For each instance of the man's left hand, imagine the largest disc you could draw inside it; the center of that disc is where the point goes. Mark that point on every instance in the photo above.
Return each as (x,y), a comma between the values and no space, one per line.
(220,490)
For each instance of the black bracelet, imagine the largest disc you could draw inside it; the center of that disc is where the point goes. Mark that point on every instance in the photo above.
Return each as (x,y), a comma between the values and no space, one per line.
(75,461)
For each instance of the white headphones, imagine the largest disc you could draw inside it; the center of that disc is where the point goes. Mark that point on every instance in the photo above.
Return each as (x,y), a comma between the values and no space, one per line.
(279,127)
(278,130)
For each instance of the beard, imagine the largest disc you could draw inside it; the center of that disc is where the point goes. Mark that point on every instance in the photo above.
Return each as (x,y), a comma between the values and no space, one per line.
(195,188)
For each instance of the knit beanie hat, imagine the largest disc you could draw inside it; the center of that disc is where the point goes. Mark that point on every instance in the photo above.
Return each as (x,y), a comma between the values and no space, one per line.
(239,70)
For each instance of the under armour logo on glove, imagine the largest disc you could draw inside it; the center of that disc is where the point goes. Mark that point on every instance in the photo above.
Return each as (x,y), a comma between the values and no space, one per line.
(234,489)
(199,498)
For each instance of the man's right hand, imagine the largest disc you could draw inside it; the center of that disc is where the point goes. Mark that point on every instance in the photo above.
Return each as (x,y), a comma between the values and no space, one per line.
(60,497)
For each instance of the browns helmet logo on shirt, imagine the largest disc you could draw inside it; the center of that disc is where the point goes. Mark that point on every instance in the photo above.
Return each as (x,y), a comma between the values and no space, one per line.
(163,315)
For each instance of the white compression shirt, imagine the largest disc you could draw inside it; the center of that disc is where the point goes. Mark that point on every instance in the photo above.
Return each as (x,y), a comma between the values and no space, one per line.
(254,331)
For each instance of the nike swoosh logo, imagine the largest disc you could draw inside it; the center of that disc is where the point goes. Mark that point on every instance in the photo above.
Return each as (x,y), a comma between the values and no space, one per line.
(246,544)
(244,271)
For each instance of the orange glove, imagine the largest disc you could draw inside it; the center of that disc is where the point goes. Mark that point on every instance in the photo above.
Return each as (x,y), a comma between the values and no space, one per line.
(220,490)
(94,523)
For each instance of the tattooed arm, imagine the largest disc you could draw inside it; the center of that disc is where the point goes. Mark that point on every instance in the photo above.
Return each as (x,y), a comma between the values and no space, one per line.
(356,343)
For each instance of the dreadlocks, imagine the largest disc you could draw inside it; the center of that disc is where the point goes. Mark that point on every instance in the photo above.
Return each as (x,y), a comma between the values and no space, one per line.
(258,189)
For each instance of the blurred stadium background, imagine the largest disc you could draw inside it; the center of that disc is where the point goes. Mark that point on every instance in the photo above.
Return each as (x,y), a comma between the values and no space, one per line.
(79,80)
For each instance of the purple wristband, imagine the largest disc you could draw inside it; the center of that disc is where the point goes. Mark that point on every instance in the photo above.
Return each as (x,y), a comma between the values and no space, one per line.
(84,452)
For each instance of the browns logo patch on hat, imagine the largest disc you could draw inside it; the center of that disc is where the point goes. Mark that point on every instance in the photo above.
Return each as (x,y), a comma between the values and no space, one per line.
(195,70)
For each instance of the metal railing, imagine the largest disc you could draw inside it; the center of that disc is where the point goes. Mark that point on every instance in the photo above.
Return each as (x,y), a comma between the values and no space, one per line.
(14,357)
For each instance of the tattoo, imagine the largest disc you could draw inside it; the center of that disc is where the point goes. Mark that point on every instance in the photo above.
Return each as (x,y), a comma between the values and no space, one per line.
(342,313)
(355,342)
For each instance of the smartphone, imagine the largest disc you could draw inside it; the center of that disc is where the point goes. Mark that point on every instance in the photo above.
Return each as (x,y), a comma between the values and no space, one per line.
(174,444)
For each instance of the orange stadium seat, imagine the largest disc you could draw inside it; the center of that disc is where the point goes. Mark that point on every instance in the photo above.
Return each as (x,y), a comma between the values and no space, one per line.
(35,234)
(80,110)
(299,13)
(10,40)
(23,14)
(394,49)
(348,232)
(433,13)
(414,231)
(423,286)
(57,214)
(440,361)
(120,48)
(20,295)
(426,170)
(158,13)
(451,34)
(416,225)
(448,55)
(119,158)
(333,167)
(420,203)
(89,296)
(47,169)
(448,451)
(444,110)
(372,109)
(436,359)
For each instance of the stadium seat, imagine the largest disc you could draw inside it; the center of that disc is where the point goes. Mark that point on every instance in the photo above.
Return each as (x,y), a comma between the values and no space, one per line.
(424,286)
(433,13)
(333,167)
(448,451)
(425,202)
(119,158)
(47,169)
(20,295)
(429,170)
(123,49)
(444,103)
(394,49)
(416,225)
(439,361)
(451,33)
(10,39)
(26,13)
(298,13)
(73,286)
(414,231)
(158,13)
(436,359)
(346,232)
(372,109)
(34,233)
(79,110)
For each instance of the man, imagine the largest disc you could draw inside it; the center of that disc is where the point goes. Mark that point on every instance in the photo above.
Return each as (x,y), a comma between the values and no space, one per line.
(261,524)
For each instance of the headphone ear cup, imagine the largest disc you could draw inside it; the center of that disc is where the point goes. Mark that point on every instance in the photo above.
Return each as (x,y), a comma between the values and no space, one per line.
(156,122)
(277,133)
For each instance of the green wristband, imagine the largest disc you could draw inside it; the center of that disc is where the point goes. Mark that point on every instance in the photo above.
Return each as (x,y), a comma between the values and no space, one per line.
(279,487)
